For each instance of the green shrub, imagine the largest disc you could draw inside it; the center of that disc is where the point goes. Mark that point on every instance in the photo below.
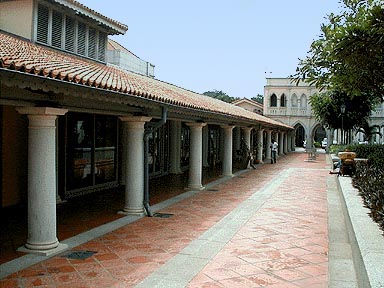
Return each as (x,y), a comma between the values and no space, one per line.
(369,179)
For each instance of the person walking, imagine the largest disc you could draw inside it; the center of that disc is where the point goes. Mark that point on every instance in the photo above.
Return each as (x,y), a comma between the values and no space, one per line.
(273,147)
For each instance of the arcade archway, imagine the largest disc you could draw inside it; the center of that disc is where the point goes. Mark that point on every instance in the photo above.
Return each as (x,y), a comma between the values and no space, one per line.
(300,135)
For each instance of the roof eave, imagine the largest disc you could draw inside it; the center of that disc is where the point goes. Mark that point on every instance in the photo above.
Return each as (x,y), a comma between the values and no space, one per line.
(37,82)
(115,27)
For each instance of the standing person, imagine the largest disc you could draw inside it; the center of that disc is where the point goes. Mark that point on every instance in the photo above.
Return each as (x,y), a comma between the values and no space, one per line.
(273,146)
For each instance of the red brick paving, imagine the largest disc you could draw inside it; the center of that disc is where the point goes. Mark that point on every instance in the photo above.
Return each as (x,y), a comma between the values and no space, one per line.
(285,244)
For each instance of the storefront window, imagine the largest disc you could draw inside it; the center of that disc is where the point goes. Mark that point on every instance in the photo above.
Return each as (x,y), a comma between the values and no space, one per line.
(214,145)
(91,150)
(185,139)
(105,149)
(158,151)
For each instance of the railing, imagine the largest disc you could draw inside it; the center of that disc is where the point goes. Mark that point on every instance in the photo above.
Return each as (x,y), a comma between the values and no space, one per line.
(284,111)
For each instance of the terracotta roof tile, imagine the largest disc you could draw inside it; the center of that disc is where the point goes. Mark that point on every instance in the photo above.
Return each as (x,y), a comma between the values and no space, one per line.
(24,56)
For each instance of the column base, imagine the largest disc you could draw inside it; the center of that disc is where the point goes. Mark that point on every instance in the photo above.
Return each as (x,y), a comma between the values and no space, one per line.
(227,176)
(48,252)
(130,211)
(197,187)
(41,246)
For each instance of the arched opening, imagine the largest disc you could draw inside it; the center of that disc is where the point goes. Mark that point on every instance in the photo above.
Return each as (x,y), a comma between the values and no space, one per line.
(294,100)
(283,100)
(303,101)
(319,134)
(299,135)
(273,100)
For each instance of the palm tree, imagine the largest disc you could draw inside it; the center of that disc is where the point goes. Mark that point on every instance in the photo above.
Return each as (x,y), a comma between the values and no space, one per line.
(369,131)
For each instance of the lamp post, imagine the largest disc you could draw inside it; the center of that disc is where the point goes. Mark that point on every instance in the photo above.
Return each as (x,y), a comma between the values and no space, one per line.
(342,110)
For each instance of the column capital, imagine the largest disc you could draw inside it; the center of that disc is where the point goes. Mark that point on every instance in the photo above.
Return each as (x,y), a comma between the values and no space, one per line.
(41,117)
(196,124)
(131,118)
(227,126)
(247,128)
(41,111)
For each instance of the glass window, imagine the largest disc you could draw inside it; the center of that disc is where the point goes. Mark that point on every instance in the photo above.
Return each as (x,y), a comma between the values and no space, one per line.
(158,151)
(185,139)
(91,150)
(105,149)
(79,151)
(213,145)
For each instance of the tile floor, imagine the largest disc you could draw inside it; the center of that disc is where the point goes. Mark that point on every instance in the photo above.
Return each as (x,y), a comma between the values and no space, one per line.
(284,244)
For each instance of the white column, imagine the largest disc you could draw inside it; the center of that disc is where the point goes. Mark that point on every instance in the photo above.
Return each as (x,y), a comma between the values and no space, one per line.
(134,163)
(285,141)
(247,136)
(281,143)
(175,146)
(196,155)
(293,140)
(227,156)
(289,141)
(237,138)
(124,155)
(260,138)
(205,146)
(268,147)
(42,235)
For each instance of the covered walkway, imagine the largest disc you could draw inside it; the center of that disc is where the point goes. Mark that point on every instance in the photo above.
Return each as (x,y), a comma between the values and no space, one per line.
(264,227)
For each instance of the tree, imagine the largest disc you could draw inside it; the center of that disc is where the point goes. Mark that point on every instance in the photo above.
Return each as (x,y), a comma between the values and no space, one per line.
(220,95)
(259,98)
(369,131)
(347,61)
(326,107)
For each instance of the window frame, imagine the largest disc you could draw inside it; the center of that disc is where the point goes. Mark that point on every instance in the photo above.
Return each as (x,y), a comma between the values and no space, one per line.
(100,39)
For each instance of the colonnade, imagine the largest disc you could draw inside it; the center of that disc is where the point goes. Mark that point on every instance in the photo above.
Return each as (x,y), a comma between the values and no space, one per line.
(42,188)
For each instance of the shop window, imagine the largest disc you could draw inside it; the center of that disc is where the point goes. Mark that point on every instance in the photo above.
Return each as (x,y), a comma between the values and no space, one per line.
(214,145)
(158,154)
(185,140)
(91,150)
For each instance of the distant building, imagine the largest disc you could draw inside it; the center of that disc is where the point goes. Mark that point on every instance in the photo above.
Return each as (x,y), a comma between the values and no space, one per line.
(123,58)
(249,105)
(288,103)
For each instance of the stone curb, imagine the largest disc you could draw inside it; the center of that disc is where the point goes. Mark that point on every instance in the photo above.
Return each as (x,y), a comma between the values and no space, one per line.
(366,238)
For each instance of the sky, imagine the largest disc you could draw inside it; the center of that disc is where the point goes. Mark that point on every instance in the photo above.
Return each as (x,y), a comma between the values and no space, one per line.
(225,45)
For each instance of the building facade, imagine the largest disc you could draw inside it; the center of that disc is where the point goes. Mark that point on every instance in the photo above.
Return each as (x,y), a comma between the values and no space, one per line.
(288,103)
(71,124)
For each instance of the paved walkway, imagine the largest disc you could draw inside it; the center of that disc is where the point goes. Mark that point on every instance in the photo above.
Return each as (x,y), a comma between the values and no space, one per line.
(264,227)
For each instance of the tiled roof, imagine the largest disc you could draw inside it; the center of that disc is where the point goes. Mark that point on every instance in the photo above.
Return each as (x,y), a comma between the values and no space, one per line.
(250,101)
(113,45)
(24,56)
